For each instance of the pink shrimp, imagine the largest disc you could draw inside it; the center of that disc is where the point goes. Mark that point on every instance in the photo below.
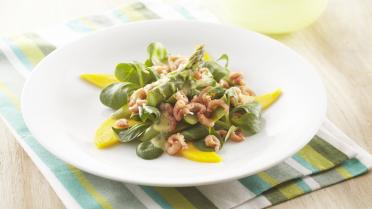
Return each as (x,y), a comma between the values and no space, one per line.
(204,120)
(237,136)
(213,142)
(175,143)
(224,84)
(122,123)
(195,107)
(217,103)
(203,97)
(222,133)
(180,105)
(236,78)
(162,69)
(138,98)
(136,105)
(198,74)
(247,91)
(176,62)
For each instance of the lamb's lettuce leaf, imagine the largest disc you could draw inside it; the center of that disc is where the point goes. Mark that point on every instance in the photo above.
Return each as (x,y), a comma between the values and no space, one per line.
(151,149)
(133,132)
(225,58)
(247,117)
(117,94)
(218,71)
(157,54)
(149,113)
(195,133)
(134,73)
(231,94)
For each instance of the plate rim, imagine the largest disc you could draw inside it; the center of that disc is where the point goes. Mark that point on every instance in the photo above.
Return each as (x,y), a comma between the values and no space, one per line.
(149,182)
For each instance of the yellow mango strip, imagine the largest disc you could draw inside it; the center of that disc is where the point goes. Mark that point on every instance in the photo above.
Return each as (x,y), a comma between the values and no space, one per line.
(207,57)
(267,100)
(192,153)
(99,80)
(105,136)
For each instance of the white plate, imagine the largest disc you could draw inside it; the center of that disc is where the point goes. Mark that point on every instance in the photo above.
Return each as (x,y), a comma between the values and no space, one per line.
(63,112)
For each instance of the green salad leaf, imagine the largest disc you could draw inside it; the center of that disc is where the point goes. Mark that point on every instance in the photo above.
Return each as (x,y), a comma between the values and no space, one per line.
(216,92)
(191,119)
(218,71)
(247,117)
(218,113)
(221,125)
(152,149)
(225,58)
(157,54)
(134,116)
(232,94)
(195,133)
(122,112)
(182,125)
(200,145)
(153,73)
(133,132)
(134,73)
(231,130)
(149,113)
(117,94)
(149,134)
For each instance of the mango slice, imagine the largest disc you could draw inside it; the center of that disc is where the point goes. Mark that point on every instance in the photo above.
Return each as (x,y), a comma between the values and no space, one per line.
(105,136)
(207,57)
(99,80)
(267,100)
(192,153)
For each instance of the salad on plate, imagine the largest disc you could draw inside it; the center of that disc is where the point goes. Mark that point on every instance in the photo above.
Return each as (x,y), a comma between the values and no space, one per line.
(178,105)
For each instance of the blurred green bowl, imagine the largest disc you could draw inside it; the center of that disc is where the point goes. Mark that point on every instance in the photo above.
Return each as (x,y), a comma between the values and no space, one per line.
(268,16)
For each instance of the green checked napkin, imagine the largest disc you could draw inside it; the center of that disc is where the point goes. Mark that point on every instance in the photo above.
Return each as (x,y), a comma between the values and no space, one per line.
(331,157)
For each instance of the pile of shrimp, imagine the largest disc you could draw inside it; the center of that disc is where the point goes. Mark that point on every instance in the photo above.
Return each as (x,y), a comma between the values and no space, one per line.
(202,105)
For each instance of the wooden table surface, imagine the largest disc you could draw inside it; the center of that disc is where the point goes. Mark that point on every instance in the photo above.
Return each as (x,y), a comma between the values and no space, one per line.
(339,45)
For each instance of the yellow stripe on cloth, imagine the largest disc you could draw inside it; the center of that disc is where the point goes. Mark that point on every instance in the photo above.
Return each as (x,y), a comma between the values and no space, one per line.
(290,191)
(88,23)
(28,48)
(314,158)
(132,14)
(174,198)
(13,98)
(344,172)
(88,186)
(267,178)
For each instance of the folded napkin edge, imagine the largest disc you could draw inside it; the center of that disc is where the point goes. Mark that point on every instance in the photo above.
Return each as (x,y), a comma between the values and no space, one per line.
(346,142)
